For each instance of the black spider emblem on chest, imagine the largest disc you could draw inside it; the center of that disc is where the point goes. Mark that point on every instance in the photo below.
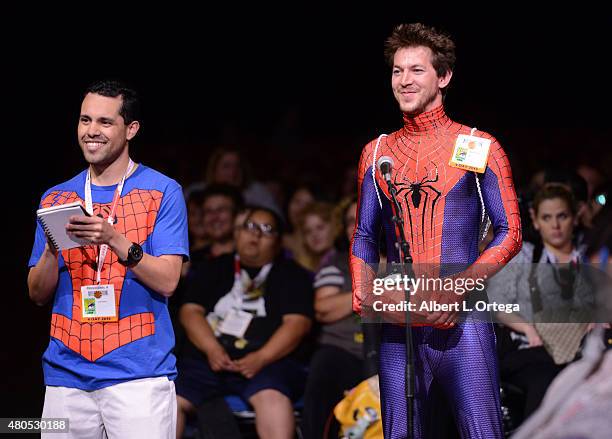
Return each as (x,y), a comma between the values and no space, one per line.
(423,194)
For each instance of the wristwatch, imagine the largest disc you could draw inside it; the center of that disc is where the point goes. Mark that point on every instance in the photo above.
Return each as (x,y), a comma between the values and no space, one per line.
(134,256)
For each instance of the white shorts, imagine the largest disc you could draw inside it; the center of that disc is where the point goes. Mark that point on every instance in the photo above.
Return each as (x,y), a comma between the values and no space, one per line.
(144,408)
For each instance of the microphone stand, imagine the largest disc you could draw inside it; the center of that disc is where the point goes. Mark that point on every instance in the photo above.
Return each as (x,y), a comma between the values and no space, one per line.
(406,268)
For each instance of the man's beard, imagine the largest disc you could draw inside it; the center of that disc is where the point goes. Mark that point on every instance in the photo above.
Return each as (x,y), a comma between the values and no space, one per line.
(422,105)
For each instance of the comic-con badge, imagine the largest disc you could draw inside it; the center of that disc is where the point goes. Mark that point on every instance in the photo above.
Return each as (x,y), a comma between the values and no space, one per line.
(98,303)
(470,153)
(235,323)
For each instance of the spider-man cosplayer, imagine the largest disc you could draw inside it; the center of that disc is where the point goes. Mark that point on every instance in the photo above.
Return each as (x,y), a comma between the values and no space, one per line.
(441,207)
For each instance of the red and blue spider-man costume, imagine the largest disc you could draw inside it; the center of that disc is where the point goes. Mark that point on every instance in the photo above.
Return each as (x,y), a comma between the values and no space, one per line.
(442,211)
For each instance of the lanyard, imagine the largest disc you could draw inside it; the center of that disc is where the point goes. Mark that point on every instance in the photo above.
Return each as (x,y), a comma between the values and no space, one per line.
(111,216)
(242,281)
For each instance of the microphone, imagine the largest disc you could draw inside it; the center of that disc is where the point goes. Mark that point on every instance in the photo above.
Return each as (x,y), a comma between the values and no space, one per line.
(385,164)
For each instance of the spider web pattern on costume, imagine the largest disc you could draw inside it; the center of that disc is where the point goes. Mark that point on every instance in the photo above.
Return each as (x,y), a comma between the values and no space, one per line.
(423,159)
(135,216)
(444,232)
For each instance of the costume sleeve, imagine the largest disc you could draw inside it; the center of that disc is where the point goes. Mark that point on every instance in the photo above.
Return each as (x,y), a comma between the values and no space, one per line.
(364,246)
(502,287)
(501,204)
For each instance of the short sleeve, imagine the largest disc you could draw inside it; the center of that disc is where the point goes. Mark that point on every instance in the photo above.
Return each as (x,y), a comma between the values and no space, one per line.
(329,276)
(208,281)
(297,297)
(170,235)
(39,245)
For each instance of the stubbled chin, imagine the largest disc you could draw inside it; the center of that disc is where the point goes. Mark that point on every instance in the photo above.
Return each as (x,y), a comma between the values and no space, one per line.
(408,106)
(93,158)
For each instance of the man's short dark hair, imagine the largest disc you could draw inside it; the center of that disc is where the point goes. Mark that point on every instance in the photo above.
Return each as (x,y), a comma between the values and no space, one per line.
(130,107)
(224,190)
(417,34)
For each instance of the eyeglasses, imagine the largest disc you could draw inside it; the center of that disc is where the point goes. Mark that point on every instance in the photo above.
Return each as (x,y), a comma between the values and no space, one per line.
(259,229)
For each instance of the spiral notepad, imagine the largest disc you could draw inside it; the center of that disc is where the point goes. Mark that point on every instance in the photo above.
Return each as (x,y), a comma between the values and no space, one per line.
(53,221)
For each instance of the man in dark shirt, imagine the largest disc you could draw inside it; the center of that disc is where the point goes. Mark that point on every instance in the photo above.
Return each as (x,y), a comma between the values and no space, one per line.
(246,315)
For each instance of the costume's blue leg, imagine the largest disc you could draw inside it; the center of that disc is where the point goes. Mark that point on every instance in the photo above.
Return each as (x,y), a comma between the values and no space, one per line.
(463,360)
(468,374)
(392,364)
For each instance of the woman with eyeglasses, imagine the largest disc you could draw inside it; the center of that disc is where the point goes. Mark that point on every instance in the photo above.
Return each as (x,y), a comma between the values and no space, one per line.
(543,279)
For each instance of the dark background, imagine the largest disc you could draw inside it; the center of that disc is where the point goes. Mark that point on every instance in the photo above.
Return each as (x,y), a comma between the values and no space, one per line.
(300,91)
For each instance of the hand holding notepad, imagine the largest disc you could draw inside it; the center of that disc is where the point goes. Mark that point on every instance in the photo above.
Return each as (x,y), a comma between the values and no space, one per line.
(54,219)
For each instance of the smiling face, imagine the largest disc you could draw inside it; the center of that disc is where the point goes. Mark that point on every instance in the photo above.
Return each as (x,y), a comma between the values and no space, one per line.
(102,132)
(415,83)
(218,217)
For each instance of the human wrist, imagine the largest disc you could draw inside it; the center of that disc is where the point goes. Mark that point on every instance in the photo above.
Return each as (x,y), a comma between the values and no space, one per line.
(120,245)
(263,356)
(529,330)
(51,251)
(211,346)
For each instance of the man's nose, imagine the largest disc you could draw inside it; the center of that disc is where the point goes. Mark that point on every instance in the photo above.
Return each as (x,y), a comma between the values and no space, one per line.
(407,77)
(93,130)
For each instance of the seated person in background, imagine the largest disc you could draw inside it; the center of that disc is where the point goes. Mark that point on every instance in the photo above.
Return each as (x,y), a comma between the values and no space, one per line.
(246,315)
(220,205)
(195,220)
(316,226)
(541,277)
(579,189)
(342,360)
(298,199)
(228,166)
(217,205)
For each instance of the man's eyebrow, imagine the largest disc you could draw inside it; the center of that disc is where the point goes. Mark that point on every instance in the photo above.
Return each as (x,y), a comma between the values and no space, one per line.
(102,119)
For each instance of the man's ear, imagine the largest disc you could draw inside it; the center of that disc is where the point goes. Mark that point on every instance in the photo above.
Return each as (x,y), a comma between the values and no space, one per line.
(132,129)
(445,79)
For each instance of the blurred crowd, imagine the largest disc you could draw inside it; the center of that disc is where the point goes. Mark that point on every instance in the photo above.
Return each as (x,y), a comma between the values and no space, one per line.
(289,238)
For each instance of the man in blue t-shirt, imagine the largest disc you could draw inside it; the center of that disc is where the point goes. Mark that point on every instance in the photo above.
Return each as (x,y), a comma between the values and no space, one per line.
(109,366)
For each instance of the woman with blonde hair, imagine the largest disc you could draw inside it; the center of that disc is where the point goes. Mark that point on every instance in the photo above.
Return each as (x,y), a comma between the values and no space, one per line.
(318,231)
